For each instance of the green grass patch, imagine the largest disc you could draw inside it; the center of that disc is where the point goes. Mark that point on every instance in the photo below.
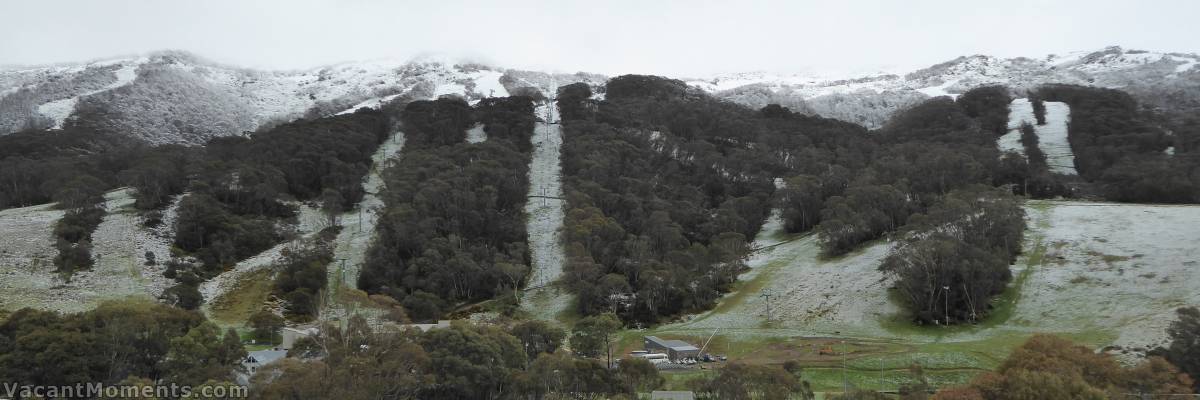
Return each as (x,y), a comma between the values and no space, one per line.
(236,305)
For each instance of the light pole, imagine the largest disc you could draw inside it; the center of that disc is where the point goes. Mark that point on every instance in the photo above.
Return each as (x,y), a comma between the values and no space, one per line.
(845,382)
(947,304)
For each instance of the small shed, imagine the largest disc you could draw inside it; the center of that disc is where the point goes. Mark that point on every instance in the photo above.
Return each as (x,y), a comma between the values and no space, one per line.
(675,349)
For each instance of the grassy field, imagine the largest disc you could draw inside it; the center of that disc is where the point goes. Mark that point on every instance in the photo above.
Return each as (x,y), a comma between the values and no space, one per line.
(234,307)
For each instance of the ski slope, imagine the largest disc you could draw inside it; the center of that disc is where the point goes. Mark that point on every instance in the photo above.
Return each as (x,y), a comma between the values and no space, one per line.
(119,245)
(543,298)
(1053,140)
(1111,274)
(358,225)
(1020,111)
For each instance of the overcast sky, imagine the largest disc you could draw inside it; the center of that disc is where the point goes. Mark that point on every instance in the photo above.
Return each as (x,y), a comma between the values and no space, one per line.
(679,38)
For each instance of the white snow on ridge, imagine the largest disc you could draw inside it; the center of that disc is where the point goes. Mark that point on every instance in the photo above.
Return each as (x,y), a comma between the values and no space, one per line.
(940,90)
(372,104)
(1188,63)
(487,83)
(59,110)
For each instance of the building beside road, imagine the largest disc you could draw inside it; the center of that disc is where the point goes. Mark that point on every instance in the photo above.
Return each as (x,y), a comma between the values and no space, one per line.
(675,350)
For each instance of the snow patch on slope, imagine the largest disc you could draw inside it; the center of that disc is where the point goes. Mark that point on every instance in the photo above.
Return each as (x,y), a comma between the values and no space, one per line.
(59,110)
(1052,138)
(476,134)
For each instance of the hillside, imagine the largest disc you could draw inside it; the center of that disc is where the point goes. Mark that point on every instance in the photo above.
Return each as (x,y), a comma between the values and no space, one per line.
(870,100)
(143,97)
(939,218)
(177,97)
(1090,271)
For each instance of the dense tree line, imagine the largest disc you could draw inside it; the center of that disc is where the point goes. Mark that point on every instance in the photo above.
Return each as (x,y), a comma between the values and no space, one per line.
(1184,349)
(1048,367)
(35,165)
(853,189)
(441,122)
(921,155)
(1121,146)
(125,342)
(82,198)
(1039,109)
(508,118)
(241,186)
(1031,174)
(462,362)
(74,168)
(1033,152)
(301,275)
(744,382)
(954,258)
(664,189)
(136,342)
(989,106)
(654,151)
(454,227)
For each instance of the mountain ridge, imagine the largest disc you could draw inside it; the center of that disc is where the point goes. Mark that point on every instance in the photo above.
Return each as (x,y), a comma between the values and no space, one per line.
(139,96)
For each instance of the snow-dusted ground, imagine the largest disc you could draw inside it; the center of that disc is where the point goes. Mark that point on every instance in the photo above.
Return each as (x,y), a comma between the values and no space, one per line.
(1052,139)
(544,300)
(358,225)
(1019,111)
(119,245)
(476,134)
(27,256)
(1121,268)
(807,294)
(1114,272)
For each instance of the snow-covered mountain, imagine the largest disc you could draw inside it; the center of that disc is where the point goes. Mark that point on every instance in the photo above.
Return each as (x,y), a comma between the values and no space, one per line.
(176,97)
(869,100)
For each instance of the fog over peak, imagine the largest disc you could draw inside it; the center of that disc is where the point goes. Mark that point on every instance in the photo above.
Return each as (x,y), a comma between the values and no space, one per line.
(671,38)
